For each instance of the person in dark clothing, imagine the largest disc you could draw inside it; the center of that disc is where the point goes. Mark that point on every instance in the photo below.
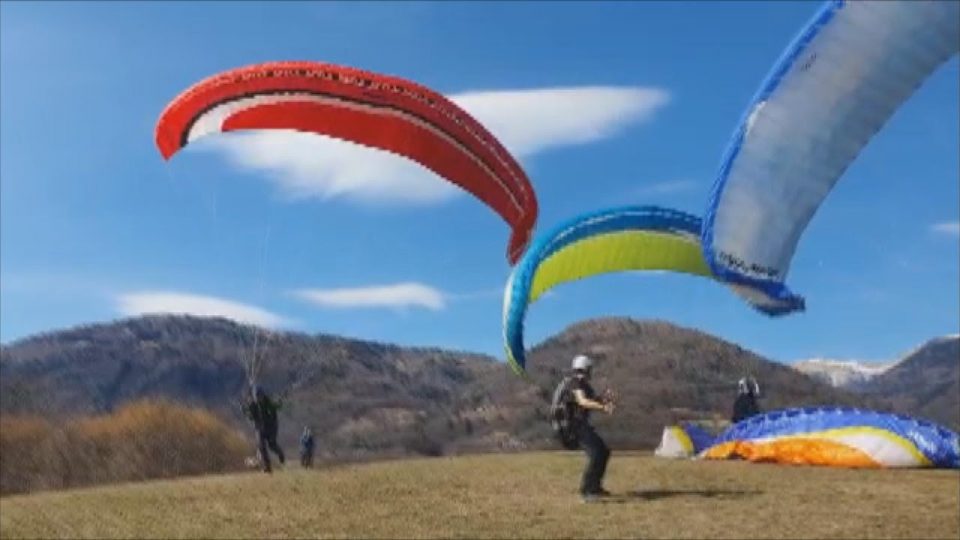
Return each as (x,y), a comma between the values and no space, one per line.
(306,447)
(263,412)
(745,405)
(598,454)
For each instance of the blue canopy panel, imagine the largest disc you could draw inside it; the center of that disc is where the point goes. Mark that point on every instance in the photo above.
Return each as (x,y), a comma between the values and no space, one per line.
(839,436)
(833,88)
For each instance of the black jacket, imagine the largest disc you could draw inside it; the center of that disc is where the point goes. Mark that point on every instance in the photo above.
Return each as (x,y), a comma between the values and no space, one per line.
(263,412)
(581,415)
(744,407)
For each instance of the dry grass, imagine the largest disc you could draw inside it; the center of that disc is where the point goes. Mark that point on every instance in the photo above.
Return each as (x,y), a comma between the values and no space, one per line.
(507,496)
(143,440)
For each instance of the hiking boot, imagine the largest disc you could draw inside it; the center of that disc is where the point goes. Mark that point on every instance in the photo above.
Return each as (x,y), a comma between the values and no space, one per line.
(588,498)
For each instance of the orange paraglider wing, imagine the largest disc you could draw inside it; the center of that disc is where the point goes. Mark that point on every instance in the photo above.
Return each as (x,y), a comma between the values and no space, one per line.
(379,111)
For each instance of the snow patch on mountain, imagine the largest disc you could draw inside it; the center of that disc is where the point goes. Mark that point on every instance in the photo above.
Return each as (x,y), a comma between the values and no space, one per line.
(849,373)
(842,373)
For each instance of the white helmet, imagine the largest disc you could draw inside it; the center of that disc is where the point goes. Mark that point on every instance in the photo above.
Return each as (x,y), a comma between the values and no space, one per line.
(582,362)
(748,386)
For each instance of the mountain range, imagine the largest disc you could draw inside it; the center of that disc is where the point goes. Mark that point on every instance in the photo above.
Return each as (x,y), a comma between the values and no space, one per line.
(367,399)
(842,373)
(925,381)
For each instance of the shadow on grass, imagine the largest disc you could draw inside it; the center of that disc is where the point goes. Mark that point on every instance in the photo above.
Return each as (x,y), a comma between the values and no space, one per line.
(656,494)
(706,493)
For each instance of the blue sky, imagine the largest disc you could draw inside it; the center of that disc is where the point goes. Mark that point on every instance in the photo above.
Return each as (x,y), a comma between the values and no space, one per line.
(94,225)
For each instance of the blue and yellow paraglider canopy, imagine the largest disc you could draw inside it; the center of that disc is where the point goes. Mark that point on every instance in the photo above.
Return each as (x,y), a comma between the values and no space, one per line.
(838,437)
(613,240)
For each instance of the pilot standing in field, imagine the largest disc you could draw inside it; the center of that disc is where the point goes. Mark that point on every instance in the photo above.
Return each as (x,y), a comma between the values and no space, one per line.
(263,412)
(746,405)
(306,447)
(598,454)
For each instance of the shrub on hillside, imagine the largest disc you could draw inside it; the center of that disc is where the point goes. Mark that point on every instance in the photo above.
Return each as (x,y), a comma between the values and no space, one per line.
(22,439)
(144,440)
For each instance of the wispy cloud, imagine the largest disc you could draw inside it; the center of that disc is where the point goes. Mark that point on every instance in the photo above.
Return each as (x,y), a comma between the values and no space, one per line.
(170,302)
(531,121)
(951,228)
(308,166)
(666,187)
(396,296)
(526,121)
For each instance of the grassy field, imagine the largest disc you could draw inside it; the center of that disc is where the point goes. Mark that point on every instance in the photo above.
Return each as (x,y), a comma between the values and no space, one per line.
(507,496)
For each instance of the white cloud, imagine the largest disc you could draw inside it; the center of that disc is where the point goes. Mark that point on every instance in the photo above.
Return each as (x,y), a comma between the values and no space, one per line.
(951,228)
(666,187)
(398,295)
(530,121)
(526,121)
(155,302)
(304,165)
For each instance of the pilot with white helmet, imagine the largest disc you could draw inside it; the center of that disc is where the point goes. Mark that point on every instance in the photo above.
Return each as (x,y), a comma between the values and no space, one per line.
(586,400)
(746,405)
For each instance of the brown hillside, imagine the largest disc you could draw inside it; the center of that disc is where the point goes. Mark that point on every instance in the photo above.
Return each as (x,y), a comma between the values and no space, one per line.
(371,400)
(926,383)
(663,373)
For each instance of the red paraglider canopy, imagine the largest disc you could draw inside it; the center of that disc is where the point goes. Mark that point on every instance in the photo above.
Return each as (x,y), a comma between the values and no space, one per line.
(375,110)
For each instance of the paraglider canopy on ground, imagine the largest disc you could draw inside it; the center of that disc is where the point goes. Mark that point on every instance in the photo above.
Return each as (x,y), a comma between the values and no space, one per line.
(826,436)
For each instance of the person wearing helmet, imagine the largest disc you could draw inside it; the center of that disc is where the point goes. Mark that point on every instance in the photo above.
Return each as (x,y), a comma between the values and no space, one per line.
(745,405)
(586,400)
(263,412)
(306,447)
